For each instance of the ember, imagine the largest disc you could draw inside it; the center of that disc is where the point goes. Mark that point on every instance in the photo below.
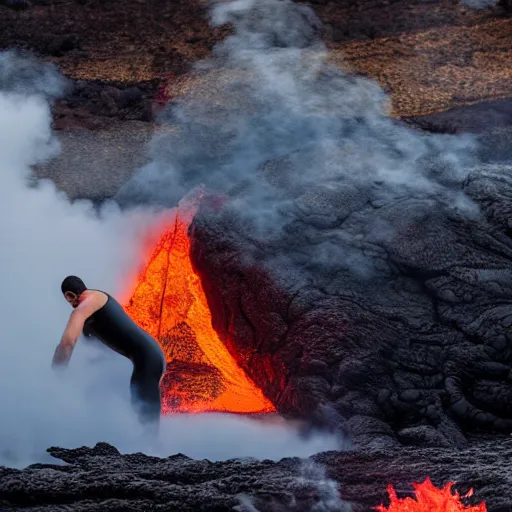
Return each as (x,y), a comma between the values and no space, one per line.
(169,302)
(430,499)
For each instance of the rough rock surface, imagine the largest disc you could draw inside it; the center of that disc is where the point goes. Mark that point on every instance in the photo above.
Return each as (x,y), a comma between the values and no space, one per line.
(100,478)
(417,350)
(430,55)
(94,165)
(473,119)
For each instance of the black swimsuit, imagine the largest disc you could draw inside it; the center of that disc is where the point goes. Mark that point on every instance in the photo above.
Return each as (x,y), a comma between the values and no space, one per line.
(114,328)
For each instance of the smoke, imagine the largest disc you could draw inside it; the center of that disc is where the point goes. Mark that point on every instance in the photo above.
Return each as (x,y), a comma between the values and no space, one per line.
(45,237)
(296,141)
(312,480)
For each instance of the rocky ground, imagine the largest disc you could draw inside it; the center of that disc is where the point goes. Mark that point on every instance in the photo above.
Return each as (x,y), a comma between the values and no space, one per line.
(417,351)
(96,164)
(100,478)
(124,61)
(124,57)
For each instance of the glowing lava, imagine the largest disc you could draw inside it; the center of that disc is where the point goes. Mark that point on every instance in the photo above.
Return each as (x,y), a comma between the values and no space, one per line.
(430,499)
(169,302)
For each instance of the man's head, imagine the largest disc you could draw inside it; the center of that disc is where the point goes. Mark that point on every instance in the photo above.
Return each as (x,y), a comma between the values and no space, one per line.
(72,287)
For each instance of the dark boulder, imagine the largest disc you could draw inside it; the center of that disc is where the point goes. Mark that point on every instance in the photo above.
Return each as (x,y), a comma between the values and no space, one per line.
(399,335)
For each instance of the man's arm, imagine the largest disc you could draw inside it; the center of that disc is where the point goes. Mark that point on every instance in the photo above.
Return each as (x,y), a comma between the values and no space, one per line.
(73,330)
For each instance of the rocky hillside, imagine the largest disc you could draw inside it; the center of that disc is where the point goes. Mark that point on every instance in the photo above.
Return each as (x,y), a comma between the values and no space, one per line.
(430,55)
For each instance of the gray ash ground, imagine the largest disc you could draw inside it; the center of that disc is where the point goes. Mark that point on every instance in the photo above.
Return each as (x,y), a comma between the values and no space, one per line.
(94,164)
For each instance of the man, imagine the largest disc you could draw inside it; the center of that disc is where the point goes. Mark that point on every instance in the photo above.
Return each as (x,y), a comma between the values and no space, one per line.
(95,313)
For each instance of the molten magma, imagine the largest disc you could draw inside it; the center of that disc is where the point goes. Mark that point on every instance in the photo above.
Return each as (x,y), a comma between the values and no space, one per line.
(169,302)
(430,499)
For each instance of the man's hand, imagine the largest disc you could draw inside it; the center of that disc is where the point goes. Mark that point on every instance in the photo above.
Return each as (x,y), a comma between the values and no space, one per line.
(73,329)
(62,355)
(67,343)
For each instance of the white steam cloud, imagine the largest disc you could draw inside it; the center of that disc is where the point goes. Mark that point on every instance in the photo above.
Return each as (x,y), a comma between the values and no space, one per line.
(44,237)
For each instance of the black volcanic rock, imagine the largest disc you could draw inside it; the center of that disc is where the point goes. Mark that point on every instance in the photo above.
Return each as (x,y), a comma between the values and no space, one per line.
(476,118)
(16,5)
(100,478)
(60,45)
(398,335)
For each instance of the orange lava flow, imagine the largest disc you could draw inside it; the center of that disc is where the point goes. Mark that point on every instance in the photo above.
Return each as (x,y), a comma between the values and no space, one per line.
(430,499)
(168,301)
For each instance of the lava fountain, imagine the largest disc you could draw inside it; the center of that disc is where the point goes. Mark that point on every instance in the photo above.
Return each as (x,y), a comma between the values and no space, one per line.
(168,301)
(430,499)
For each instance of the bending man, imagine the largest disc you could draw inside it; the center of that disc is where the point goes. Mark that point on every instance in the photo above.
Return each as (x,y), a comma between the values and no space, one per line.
(96,313)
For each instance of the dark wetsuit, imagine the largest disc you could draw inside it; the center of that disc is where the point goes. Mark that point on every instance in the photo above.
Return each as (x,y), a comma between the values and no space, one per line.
(114,328)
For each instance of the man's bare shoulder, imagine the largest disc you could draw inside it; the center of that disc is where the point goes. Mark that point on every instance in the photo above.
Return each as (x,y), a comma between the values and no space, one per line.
(96,297)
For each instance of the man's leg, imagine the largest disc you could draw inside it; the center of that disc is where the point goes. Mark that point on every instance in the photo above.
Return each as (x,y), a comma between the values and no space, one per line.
(146,399)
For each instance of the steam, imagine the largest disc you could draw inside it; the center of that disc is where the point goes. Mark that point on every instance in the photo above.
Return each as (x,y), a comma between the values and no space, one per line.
(45,237)
(292,139)
(312,477)
(274,99)
(330,499)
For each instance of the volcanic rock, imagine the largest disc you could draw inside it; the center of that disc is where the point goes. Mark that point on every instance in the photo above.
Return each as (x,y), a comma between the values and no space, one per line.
(17,5)
(402,336)
(60,45)
(100,478)
(459,56)
(475,118)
